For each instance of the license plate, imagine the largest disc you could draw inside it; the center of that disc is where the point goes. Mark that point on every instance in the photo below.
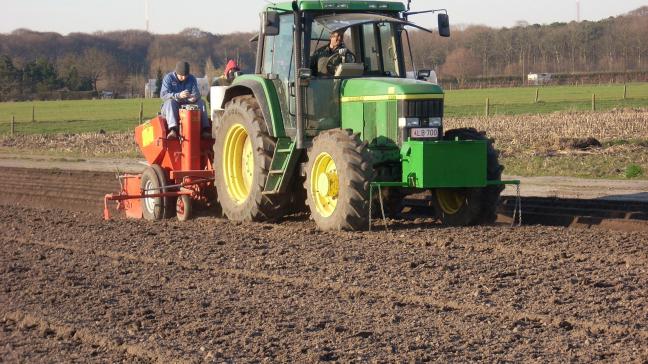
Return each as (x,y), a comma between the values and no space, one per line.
(424,132)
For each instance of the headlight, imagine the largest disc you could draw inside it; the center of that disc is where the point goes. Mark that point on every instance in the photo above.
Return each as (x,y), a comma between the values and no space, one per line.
(435,122)
(409,122)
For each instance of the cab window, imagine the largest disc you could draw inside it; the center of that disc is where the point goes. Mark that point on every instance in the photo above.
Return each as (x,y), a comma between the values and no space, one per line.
(278,50)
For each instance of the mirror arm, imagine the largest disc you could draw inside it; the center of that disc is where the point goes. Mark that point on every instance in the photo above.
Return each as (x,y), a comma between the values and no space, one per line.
(278,10)
(408,13)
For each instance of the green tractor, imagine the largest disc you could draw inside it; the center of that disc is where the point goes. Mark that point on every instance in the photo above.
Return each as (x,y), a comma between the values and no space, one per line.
(346,125)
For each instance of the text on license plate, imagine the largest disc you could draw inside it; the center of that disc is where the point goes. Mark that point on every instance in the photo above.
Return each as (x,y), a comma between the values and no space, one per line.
(424,132)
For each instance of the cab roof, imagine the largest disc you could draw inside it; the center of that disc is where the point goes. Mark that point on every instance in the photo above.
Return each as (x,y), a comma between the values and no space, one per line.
(341,5)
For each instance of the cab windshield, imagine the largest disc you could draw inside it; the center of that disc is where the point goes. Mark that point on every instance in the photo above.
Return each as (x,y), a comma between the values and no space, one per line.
(373,40)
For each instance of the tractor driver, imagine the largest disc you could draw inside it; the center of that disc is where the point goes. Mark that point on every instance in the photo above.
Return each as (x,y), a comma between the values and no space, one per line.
(325,60)
(180,88)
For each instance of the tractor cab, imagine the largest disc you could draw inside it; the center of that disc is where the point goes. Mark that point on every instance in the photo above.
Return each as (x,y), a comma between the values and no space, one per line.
(372,49)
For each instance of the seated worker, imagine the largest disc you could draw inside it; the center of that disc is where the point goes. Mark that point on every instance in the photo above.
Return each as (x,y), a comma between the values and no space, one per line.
(228,75)
(180,88)
(325,60)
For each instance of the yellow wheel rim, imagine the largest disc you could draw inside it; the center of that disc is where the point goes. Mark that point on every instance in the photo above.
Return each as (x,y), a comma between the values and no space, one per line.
(324,184)
(450,201)
(238,163)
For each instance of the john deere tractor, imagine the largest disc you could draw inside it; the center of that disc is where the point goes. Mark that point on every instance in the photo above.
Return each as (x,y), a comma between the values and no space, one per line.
(345,126)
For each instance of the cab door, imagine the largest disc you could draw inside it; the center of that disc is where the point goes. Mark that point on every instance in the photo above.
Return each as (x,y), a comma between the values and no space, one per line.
(278,66)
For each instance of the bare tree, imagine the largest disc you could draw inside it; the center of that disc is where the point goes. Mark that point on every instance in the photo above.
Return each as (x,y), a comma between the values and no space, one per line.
(461,64)
(95,64)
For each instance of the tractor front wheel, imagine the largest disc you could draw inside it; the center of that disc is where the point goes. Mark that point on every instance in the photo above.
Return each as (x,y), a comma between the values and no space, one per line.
(470,206)
(338,174)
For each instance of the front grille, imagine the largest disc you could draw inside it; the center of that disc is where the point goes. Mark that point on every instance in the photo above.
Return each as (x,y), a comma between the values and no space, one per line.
(421,108)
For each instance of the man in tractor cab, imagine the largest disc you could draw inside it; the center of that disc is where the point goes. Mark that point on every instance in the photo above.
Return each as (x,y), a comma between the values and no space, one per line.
(181,88)
(325,60)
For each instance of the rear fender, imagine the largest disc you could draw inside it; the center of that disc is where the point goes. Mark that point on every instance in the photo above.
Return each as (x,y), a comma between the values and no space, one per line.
(265,94)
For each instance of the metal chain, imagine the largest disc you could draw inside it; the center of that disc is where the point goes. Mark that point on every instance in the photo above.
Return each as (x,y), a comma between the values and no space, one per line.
(517,209)
(370,203)
(519,201)
(118,177)
(382,209)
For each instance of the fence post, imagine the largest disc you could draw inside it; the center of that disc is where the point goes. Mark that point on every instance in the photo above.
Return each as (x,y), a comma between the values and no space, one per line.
(537,95)
(141,112)
(13,124)
(33,113)
(625,91)
(593,102)
(487,106)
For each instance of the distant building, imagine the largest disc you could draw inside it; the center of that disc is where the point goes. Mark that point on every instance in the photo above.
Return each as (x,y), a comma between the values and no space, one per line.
(538,78)
(149,87)
(107,95)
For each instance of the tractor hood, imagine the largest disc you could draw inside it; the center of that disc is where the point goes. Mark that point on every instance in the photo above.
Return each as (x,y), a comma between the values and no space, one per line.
(385,87)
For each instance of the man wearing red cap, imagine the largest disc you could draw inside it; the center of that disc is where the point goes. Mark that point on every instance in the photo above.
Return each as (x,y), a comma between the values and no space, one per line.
(179,88)
(228,75)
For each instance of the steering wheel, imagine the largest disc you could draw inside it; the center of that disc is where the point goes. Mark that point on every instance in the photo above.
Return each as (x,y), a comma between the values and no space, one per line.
(336,59)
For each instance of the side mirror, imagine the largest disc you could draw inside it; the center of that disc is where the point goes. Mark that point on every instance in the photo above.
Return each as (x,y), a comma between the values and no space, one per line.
(270,23)
(423,75)
(444,25)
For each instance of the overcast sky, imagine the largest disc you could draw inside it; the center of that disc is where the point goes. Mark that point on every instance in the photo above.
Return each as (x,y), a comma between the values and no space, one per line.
(225,16)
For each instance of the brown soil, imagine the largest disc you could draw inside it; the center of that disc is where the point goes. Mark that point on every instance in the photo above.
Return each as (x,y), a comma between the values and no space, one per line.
(77,288)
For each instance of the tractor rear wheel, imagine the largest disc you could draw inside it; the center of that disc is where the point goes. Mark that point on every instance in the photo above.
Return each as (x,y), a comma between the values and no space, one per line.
(156,208)
(242,156)
(470,206)
(338,174)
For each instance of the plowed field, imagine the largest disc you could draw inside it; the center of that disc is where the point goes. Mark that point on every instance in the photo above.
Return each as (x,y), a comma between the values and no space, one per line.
(77,288)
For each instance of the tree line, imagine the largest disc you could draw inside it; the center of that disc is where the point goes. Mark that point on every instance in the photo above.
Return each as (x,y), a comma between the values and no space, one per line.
(613,45)
(36,62)
(122,61)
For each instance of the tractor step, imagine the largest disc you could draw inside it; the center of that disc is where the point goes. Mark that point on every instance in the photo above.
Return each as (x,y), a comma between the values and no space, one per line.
(283,163)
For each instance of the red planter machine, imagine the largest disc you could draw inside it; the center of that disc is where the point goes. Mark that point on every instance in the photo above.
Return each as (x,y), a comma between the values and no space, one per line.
(179,174)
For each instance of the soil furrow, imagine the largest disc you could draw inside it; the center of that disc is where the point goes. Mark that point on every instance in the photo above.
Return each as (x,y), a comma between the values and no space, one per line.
(387,295)
(48,328)
(181,308)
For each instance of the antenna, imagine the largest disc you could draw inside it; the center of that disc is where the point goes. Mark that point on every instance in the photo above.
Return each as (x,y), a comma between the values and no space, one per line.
(146,14)
(578,16)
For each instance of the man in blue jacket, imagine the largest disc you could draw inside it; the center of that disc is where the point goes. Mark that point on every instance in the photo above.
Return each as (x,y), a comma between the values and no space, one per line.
(179,88)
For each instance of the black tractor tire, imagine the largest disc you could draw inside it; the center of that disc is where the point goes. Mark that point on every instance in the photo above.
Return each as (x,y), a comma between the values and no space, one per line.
(353,175)
(392,202)
(244,111)
(479,205)
(156,208)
